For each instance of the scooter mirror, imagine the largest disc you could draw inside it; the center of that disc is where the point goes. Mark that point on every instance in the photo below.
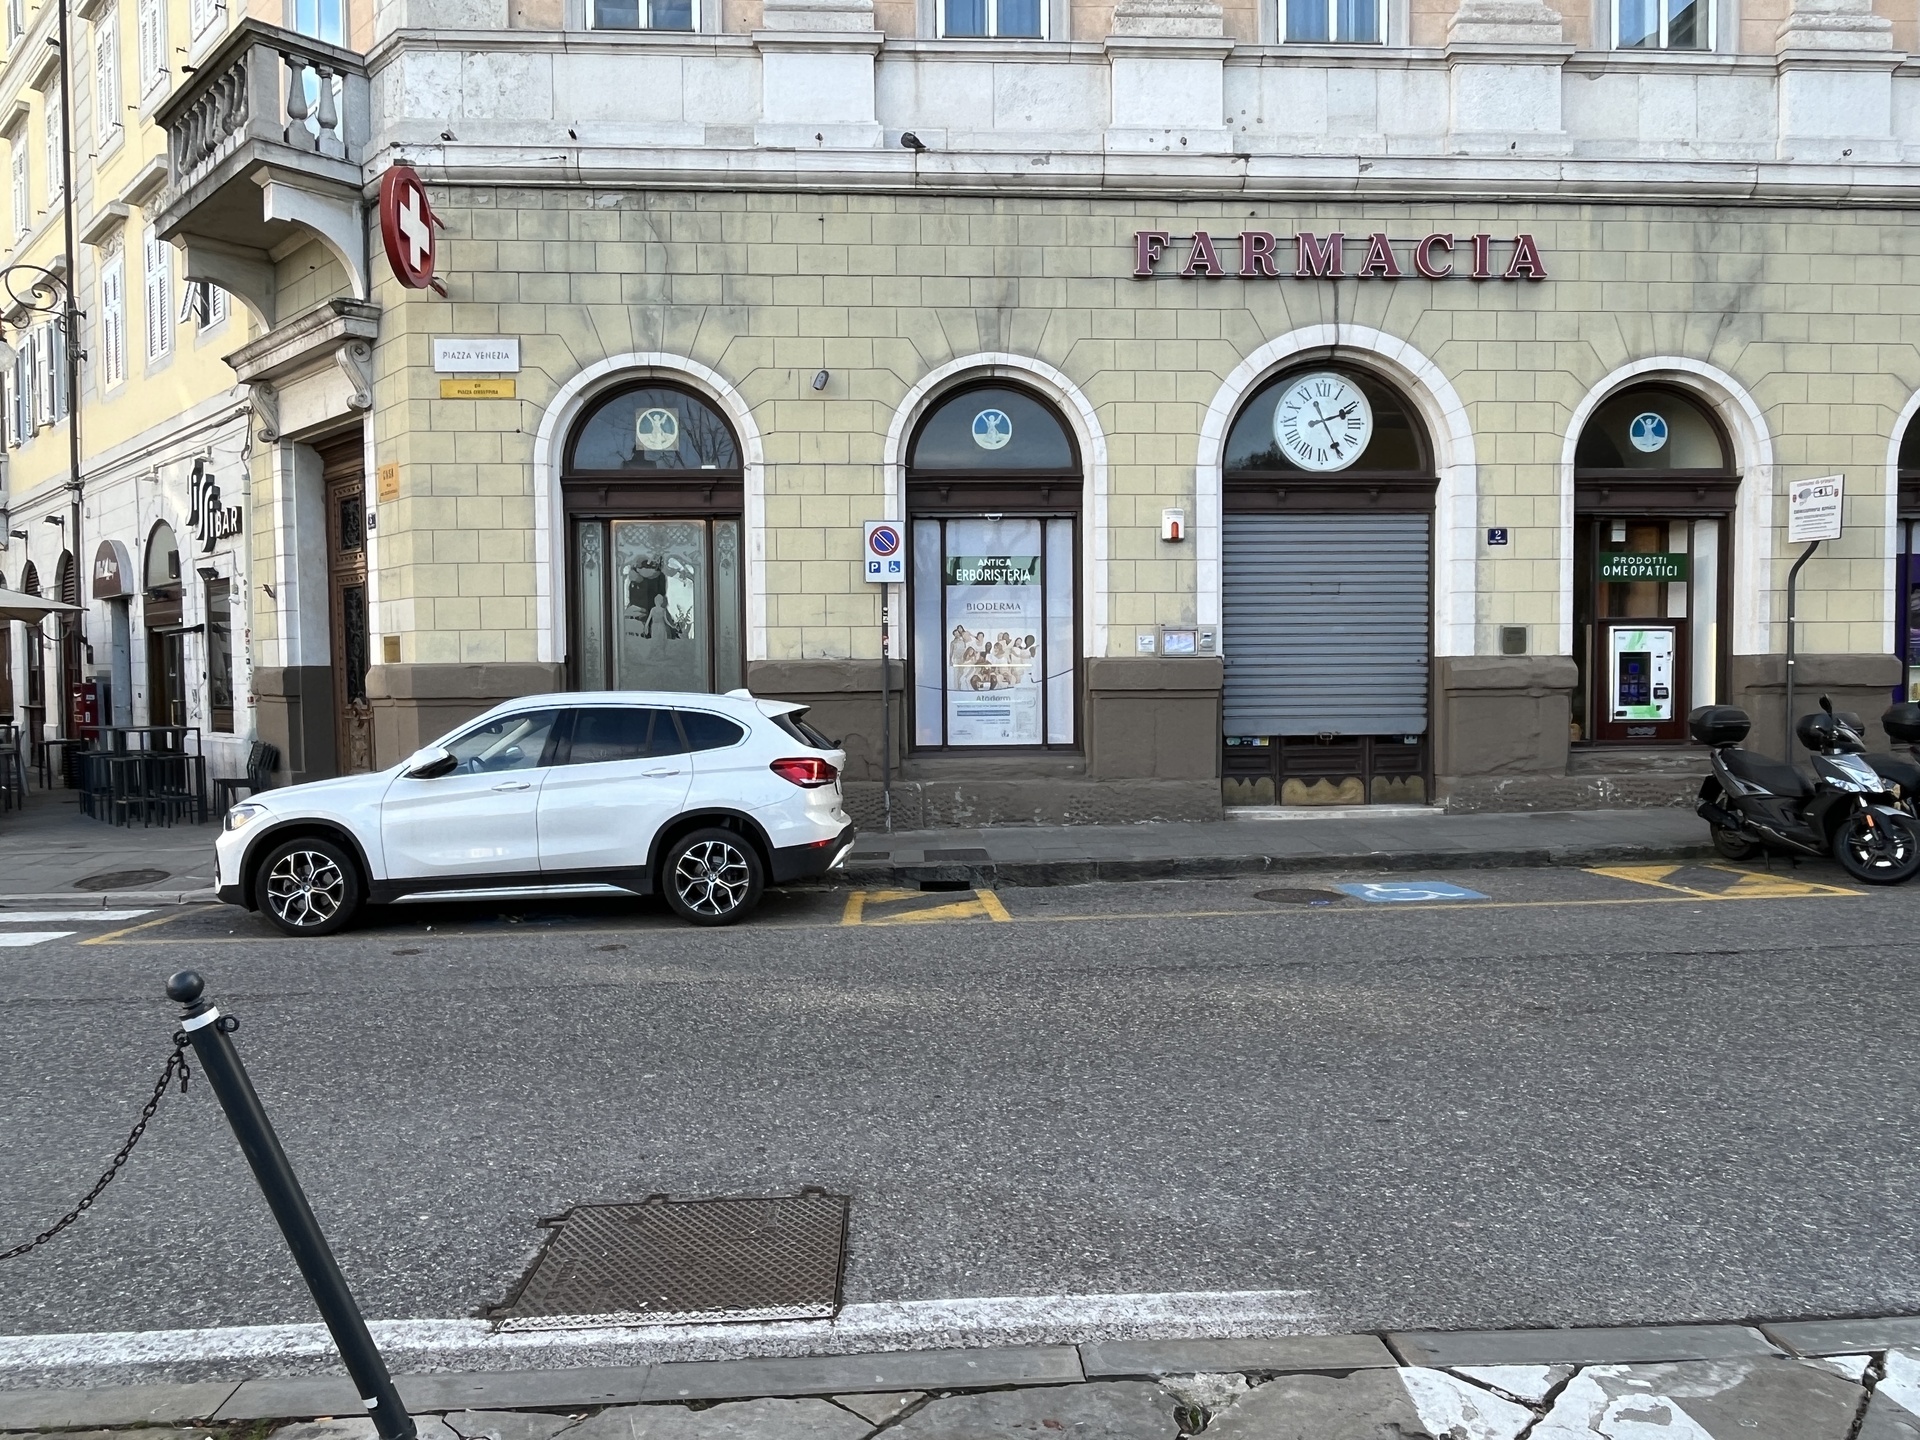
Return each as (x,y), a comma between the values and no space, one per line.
(1826,704)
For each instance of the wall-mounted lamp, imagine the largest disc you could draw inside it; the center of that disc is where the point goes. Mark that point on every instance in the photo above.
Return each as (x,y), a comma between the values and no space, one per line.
(18,534)
(59,520)
(206,572)
(820,381)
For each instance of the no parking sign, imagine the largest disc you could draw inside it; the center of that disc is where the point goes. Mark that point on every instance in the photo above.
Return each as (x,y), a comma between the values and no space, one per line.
(885,557)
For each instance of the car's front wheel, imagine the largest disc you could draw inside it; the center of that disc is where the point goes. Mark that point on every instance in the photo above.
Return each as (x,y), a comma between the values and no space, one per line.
(309,886)
(712,877)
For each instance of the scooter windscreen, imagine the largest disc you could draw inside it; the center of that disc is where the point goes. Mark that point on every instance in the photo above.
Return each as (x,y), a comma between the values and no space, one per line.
(1849,772)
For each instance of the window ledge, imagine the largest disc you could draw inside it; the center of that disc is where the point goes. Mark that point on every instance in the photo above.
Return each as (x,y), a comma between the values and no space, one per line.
(994,48)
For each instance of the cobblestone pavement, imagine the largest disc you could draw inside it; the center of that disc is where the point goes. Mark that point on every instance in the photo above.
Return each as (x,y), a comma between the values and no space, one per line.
(1874,1395)
(1855,1379)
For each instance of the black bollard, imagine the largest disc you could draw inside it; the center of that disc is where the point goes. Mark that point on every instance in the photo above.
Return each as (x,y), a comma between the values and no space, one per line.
(220,1064)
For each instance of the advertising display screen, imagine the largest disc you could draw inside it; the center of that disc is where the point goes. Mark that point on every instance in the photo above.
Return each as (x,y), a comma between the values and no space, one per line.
(1640,673)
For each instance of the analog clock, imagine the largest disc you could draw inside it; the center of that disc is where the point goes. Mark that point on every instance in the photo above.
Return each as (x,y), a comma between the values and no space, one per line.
(1322,422)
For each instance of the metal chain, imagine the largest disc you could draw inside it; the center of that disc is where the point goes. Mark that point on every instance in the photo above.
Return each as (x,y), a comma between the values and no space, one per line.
(176,1062)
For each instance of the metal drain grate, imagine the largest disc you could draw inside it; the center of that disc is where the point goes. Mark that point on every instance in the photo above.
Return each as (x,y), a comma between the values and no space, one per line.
(686,1262)
(1300,897)
(971,856)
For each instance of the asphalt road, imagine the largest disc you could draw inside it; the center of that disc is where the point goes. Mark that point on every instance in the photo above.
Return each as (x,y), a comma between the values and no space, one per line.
(1585,1099)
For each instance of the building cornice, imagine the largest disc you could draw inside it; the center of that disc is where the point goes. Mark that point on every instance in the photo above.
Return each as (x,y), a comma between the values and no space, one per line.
(1383,178)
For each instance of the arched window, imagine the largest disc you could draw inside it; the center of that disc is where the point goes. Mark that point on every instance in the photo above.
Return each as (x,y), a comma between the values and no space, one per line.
(653,488)
(30,580)
(993,497)
(1326,592)
(1654,491)
(36,673)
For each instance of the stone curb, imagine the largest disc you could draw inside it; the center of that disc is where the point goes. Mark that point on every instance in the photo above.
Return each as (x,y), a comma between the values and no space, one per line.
(305,1397)
(113,899)
(1040,873)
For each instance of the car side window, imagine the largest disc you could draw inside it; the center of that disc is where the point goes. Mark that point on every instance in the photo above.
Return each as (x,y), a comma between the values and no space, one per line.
(509,742)
(603,733)
(705,731)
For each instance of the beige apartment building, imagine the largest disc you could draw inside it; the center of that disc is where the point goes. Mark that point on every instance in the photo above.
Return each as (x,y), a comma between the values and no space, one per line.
(1328,402)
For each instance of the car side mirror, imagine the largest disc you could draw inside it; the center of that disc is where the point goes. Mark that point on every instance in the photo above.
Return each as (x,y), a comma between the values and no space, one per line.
(430,763)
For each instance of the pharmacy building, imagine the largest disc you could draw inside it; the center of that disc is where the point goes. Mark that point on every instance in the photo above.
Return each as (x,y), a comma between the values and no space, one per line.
(1312,404)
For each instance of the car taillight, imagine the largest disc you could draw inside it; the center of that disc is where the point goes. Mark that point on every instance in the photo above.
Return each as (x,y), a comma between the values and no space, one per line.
(807,773)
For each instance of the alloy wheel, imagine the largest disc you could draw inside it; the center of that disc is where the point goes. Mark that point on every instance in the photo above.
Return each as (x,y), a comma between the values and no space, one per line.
(712,877)
(306,888)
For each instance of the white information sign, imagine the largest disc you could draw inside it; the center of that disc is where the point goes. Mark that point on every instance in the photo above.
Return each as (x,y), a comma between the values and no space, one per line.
(1813,509)
(476,355)
(884,559)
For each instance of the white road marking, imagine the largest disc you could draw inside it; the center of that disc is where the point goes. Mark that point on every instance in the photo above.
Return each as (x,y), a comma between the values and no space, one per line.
(1902,1385)
(898,1325)
(20,939)
(74,917)
(1448,1405)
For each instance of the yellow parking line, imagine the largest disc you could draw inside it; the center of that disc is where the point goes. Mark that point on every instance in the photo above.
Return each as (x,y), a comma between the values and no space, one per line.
(990,902)
(113,936)
(1272,912)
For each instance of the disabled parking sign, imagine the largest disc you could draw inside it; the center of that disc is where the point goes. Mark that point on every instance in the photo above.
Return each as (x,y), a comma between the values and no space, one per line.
(1404,892)
(885,556)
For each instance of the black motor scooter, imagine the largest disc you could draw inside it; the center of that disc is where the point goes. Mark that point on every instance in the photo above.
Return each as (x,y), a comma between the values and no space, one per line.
(1901,772)
(1846,811)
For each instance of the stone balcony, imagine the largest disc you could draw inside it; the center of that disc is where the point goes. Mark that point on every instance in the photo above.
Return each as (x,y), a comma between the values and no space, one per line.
(265,146)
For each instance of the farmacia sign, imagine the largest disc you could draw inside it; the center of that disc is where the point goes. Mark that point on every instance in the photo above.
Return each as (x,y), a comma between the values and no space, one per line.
(1262,255)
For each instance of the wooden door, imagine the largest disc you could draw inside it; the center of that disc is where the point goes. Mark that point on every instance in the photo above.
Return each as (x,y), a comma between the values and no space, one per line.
(345,479)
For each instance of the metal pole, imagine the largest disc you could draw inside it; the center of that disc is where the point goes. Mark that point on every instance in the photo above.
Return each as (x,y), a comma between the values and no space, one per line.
(70,338)
(886,703)
(220,1063)
(1793,579)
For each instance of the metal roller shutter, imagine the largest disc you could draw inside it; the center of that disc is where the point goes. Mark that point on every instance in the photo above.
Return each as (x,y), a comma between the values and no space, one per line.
(1325,625)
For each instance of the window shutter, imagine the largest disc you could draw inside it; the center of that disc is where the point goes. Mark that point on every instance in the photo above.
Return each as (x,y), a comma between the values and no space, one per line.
(22,201)
(56,166)
(113,317)
(159,296)
(57,371)
(106,75)
(8,403)
(42,391)
(216,304)
(153,43)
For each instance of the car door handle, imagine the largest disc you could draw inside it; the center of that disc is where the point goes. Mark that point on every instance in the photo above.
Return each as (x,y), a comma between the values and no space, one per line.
(514,785)
(656,774)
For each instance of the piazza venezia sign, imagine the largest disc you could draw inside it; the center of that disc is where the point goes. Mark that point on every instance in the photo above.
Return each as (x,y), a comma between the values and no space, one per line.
(1262,255)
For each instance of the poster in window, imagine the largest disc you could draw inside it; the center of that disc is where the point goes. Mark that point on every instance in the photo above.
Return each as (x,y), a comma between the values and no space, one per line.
(994,622)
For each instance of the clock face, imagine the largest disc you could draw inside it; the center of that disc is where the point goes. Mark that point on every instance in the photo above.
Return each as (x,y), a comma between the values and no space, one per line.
(1322,422)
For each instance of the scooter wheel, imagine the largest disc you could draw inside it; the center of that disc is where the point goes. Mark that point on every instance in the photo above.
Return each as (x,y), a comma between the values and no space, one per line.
(1878,849)
(1732,845)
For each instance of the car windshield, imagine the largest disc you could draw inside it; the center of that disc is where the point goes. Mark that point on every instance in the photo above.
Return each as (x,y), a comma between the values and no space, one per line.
(509,742)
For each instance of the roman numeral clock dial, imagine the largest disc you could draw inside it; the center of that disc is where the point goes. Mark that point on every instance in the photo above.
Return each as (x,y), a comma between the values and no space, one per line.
(1322,422)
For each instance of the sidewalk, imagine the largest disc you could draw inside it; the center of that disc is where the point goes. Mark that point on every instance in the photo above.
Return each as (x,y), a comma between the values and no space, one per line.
(50,852)
(1853,1379)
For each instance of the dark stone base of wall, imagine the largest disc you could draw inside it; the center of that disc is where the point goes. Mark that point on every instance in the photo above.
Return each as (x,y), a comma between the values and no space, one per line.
(1861,683)
(1150,727)
(1477,794)
(293,708)
(970,803)
(414,705)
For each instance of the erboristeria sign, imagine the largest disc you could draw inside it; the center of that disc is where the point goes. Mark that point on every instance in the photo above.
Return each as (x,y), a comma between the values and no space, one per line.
(1337,255)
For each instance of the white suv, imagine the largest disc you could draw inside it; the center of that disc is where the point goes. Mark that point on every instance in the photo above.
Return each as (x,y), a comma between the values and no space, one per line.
(706,798)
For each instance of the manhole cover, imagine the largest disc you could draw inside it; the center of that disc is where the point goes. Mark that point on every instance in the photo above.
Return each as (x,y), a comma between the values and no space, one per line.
(972,856)
(1300,897)
(686,1262)
(120,880)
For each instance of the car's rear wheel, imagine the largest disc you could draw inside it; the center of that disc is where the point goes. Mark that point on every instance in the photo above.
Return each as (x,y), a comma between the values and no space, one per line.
(309,886)
(712,877)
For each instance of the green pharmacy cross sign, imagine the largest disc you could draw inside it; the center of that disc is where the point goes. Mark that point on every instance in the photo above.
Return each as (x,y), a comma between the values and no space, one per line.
(1623,565)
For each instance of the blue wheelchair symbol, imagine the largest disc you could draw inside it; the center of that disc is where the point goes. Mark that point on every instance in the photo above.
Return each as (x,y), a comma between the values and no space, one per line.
(1404,892)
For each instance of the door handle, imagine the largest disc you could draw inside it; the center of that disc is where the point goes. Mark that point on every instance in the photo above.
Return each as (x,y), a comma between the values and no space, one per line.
(656,774)
(514,785)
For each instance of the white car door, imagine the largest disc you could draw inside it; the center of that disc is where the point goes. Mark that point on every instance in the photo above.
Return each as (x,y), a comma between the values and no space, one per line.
(481,819)
(623,774)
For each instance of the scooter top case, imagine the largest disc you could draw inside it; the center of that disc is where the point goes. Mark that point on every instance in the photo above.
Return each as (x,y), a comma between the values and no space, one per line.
(1902,724)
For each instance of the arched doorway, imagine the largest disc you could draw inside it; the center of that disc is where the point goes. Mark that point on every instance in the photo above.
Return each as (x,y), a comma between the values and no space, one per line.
(1327,498)
(33,662)
(994,485)
(66,585)
(652,487)
(1906,604)
(164,617)
(1654,493)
